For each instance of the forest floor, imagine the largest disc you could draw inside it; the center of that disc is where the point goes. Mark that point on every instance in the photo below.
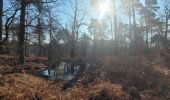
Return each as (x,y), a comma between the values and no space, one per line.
(16,82)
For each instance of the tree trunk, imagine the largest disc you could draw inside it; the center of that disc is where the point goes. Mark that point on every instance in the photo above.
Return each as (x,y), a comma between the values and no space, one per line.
(39,38)
(133,12)
(135,35)
(74,30)
(73,42)
(130,24)
(1,14)
(150,38)
(26,40)
(39,45)
(147,31)
(72,53)
(49,48)
(166,28)
(22,32)
(115,28)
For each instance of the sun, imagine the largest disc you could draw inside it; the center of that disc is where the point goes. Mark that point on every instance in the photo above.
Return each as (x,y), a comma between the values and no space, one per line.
(104,7)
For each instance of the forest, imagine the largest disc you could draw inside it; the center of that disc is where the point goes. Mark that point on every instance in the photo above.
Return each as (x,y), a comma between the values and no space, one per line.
(84,49)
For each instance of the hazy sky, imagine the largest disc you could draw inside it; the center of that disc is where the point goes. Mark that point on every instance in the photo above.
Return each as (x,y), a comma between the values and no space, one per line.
(93,12)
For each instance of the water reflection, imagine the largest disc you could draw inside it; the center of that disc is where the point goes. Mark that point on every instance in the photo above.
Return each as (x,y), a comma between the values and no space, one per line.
(63,72)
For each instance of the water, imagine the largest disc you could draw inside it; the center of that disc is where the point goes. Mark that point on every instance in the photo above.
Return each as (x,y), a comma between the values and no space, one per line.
(62,72)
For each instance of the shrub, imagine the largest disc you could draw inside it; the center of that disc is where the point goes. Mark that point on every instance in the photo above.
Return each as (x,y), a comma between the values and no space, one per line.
(130,72)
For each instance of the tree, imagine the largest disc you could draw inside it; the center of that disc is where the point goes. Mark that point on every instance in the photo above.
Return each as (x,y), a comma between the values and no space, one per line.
(93,28)
(115,26)
(167,17)
(149,15)
(136,34)
(131,7)
(53,29)
(165,20)
(50,36)
(84,44)
(21,33)
(1,14)
(77,21)
(127,7)
(40,36)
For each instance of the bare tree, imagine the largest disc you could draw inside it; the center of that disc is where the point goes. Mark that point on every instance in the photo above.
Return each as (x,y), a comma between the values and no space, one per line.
(21,33)
(77,20)
(167,18)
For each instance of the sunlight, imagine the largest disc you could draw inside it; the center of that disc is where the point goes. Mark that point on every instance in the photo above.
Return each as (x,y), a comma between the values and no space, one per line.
(104,7)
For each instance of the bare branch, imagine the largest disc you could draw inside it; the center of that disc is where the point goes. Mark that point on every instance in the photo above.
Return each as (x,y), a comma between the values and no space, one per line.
(7,24)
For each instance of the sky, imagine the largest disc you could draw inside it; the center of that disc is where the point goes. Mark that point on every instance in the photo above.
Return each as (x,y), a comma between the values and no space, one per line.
(91,12)
(65,10)
(97,12)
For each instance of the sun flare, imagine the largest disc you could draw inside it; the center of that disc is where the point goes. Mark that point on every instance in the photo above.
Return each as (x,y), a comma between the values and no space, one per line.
(104,7)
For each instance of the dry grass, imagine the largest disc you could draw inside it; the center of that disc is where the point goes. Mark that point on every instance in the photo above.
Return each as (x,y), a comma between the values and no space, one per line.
(130,72)
(97,91)
(100,82)
(26,87)
(9,64)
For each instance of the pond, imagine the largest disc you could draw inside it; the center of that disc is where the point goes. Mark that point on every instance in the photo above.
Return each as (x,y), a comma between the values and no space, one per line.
(64,71)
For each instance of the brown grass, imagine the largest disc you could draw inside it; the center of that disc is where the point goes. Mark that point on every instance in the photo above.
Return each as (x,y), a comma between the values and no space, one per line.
(26,87)
(130,72)
(100,82)
(97,91)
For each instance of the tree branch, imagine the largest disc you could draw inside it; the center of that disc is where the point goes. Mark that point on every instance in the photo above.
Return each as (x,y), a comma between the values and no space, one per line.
(7,24)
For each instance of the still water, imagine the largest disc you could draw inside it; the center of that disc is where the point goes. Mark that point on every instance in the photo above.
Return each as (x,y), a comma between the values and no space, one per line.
(62,72)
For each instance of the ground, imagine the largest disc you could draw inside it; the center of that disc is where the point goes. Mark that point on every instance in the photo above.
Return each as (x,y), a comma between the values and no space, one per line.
(21,84)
